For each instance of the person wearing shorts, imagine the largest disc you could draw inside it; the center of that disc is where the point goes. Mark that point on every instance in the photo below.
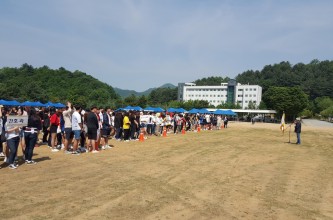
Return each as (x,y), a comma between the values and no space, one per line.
(76,129)
(67,116)
(92,125)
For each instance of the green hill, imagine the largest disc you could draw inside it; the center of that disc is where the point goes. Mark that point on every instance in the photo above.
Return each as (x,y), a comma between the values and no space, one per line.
(126,93)
(60,85)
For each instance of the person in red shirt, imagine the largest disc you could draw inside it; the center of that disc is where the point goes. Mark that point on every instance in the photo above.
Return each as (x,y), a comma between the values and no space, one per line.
(54,123)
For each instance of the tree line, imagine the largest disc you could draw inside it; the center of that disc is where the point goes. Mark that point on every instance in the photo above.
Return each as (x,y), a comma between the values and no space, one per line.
(300,89)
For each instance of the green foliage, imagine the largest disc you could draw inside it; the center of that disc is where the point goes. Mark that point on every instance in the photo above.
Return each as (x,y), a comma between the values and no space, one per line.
(262,105)
(327,112)
(44,84)
(290,100)
(322,103)
(315,78)
(228,106)
(189,104)
(211,81)
(306,113)
(252,105)
(161,96)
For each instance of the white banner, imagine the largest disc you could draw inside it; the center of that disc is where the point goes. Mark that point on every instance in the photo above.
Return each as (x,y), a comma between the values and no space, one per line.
(19,121)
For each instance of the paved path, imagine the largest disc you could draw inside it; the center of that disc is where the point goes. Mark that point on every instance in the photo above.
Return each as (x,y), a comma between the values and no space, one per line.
(317,123)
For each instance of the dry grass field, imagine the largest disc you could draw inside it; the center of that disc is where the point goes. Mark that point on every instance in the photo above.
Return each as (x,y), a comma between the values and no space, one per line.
(242,172)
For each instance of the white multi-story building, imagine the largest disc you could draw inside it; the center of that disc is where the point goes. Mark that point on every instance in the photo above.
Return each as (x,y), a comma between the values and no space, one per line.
(230,92)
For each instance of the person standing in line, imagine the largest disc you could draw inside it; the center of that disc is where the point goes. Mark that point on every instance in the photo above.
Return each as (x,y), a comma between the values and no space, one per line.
(13,140)
(67,116)
(126,127)
(298,128)
(92,125)
(225,121)
(118,124)
(134,125)
(106,128)
(77,127)
(46,124)
(31,135)
(54,123)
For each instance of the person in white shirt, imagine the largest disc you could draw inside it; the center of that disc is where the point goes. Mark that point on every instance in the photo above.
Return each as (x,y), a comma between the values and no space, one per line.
(13,140)
(77,127)
(67,116)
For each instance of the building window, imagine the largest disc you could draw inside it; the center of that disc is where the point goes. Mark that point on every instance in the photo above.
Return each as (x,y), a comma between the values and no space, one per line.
(254,95)
(254,89)
(251,89)
(246,89)
(246,95)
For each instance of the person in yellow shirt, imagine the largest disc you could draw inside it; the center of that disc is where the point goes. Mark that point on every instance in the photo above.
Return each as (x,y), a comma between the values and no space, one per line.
(126,127)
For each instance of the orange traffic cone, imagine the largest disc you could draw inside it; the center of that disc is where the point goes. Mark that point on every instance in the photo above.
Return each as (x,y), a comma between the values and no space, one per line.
(164,132)
(198,129)
(183,131)
(141,138)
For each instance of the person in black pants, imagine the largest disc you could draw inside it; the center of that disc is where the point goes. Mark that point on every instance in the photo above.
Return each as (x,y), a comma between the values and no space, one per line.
(298,128)
(46,124)
(30,135)
(92,125)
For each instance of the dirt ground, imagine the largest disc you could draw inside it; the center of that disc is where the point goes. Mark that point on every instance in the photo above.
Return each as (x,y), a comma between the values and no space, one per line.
(242,172)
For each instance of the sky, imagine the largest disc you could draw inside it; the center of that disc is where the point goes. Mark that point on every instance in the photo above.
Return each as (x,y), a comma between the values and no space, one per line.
(141,44)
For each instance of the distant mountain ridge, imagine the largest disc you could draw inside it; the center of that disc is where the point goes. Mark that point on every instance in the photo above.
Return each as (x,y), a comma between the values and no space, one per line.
(125,93)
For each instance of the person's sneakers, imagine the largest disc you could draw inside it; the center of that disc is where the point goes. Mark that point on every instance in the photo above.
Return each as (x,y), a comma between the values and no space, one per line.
(2,154)
(54,150)
(68,152)
(103,148)
(95,151)
(108,147)
(12,166)
(62,146)
(76,153)
(31,162)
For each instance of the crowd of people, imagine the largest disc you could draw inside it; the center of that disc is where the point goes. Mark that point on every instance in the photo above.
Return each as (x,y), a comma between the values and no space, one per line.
(75,131)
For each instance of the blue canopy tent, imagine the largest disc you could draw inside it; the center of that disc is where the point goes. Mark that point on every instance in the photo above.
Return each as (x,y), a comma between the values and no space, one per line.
(28,103)
(193,111)
(49,104)
(204,111)
(158,109)
(230,112)
(170,110)
(180,110)
(2,102)
(153,109)
(149,109)
(59,105)
(10,103)
(219,112)
(39,104)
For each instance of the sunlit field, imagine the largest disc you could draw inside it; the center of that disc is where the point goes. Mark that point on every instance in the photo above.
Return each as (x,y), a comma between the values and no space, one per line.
(242,172)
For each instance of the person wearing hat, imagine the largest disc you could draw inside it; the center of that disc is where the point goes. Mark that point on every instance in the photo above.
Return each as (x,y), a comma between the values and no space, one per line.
(298,129)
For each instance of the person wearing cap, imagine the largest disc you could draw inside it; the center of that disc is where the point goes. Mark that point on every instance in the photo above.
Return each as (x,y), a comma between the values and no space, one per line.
(298,128)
